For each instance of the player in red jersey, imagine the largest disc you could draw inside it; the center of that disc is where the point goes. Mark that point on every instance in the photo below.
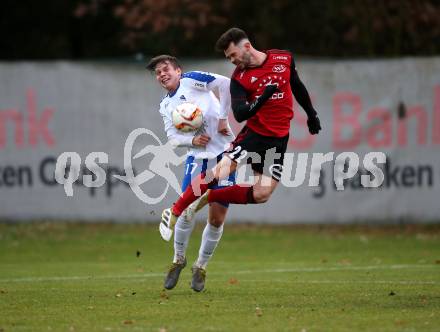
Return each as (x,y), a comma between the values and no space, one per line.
(261,93)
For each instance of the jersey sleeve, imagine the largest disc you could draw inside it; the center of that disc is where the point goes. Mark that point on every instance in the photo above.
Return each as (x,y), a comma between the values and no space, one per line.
(198,80)
(221,84)
(300,91)
(211,82)
(174,136)
(241,109)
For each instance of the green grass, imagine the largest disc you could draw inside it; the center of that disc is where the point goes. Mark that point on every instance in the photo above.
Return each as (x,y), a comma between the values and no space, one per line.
(78,277)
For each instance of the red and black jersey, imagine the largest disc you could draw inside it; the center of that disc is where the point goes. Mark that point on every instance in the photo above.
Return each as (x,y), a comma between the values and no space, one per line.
(274,116)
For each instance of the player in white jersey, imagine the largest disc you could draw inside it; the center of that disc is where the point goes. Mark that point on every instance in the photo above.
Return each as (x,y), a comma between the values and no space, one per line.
(205,145)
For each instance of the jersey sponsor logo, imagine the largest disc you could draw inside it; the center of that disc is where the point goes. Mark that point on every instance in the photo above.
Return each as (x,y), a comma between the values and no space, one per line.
(275,96)
(199,85)
(253,79)
(280,57)
(279,68)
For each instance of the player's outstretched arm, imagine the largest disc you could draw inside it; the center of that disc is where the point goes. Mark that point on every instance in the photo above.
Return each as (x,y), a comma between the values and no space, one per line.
(221,83)
(303,98)
(240,107)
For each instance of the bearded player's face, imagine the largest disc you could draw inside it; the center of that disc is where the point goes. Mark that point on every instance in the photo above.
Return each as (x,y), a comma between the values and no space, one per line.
(239,54)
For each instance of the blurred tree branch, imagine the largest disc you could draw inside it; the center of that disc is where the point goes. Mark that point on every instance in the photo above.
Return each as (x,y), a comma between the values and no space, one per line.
(112,28)
(143,17)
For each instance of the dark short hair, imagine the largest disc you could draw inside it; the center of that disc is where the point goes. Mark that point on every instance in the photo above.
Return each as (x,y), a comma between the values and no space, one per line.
(234,35)
(163,58)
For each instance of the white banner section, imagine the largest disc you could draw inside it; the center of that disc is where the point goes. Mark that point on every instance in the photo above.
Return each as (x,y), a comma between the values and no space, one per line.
(92,111)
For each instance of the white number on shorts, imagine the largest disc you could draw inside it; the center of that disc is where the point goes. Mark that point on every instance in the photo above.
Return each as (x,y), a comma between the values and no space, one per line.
(192,167)
(237,150)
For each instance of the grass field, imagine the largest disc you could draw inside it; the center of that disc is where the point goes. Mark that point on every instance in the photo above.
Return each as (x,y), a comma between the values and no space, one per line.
(77,277)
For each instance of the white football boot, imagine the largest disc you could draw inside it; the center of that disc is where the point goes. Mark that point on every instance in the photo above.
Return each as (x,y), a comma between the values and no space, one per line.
(166,226)
(167,223)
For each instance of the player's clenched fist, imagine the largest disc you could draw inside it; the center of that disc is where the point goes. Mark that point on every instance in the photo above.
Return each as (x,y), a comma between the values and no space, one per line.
(201,140)
(314,124)
(269,90)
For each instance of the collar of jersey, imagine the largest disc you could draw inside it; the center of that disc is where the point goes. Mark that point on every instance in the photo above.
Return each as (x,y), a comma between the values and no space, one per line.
(171,94)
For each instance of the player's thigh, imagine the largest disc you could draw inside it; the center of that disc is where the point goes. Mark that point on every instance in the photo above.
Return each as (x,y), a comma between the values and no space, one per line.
(224,167)
(272,154)
(217,214)
(192,169)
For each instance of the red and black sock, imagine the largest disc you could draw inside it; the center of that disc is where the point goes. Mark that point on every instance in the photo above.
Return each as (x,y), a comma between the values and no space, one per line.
(237,194)
(197,188)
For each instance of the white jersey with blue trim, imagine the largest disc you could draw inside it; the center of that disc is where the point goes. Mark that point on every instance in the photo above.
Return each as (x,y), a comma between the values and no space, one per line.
(197,88)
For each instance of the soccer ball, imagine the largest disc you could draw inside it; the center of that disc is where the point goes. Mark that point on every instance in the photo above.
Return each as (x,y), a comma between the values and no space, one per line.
(187,117)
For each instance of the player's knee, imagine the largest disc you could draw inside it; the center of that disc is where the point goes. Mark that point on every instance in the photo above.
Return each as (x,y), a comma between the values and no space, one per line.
(217,214)
(216,222)
(210,176)
(262,199)
(261,195)
(224,168)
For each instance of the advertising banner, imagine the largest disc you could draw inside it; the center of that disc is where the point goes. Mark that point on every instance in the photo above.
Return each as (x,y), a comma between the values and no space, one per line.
(100,115)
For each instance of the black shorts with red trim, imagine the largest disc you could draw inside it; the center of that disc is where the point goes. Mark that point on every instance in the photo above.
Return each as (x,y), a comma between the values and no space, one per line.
(264,153)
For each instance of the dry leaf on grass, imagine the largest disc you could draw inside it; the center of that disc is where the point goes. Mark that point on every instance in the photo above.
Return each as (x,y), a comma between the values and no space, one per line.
(233,281)
(258,312)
